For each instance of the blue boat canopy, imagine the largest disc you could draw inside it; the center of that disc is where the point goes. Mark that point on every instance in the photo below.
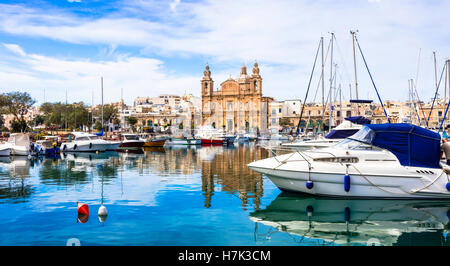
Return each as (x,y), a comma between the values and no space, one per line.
(99,133)
(360,120)
(412,145)
(341,134)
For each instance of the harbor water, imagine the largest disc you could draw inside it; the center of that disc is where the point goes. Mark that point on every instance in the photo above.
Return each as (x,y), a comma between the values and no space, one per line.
(193,196)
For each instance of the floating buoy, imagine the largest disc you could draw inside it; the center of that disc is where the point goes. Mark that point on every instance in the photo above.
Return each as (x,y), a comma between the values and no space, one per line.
(82,208)
(448,186)
(309,184)
(102,211)
(347,183)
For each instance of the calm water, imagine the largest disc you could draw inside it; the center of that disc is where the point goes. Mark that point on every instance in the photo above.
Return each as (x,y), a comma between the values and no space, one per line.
(193,196)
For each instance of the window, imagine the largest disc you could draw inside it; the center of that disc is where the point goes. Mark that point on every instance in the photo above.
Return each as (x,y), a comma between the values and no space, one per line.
(274,121)
(230,106)
(274,112)
(279,110)
(349,113)
(338,113)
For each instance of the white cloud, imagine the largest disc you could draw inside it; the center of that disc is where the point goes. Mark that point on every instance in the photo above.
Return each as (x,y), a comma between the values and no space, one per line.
(281,35)
(138,76)
(15,48)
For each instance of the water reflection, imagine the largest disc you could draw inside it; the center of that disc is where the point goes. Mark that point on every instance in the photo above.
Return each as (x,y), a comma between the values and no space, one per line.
(213,168)
(357,222)
(14,173)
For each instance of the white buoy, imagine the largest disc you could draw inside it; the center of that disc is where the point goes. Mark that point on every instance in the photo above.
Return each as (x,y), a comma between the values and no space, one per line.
(102,211)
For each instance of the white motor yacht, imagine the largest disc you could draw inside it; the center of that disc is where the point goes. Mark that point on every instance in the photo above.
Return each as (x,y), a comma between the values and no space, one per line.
(18,144)
(347,128)
(379,161)
(85,142)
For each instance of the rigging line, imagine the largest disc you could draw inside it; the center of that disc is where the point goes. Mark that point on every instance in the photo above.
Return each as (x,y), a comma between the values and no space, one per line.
(435,94)
(376,90)
(415,85)
(342,58)
(309,84)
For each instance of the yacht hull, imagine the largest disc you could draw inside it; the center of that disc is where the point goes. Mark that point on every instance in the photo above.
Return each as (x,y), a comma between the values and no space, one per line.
(391,180)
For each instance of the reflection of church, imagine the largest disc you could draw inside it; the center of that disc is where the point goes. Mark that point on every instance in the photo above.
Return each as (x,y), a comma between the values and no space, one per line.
(238,106)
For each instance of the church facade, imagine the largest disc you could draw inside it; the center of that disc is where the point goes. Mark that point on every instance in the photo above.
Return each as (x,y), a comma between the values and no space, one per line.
(238,106)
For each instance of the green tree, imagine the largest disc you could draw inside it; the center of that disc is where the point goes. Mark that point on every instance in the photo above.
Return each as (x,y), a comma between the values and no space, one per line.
(17,104)
(132,121)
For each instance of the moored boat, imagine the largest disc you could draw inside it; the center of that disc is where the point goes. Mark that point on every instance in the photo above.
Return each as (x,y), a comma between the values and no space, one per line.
(176,141)
(130,142)
(154,142)
(18,144)
(379,161)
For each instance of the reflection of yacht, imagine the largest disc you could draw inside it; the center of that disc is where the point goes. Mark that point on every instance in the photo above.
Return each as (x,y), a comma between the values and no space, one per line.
(366,222)
(347,128)
(18,144)
(207,153)
(85,142)
(383,160)
(17,166)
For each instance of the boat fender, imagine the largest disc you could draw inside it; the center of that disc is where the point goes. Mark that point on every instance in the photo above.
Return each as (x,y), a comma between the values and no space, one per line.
(75,146)
(347,183)
(82,208)
(309,184)
(90,145)
(447,186)
(309,210)
(347,214)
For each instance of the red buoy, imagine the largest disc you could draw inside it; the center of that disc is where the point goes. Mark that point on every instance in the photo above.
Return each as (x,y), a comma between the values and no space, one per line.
(83,208)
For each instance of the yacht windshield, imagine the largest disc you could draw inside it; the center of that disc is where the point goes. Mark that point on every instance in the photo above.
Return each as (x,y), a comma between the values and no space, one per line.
(94,137)
(365,135)
(131,137)
(351,144)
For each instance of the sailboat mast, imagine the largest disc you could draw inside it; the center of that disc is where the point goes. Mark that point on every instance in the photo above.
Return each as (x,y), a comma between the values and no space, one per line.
(323,83)
(102,105)
(331,82)
(354,66)
(436,84)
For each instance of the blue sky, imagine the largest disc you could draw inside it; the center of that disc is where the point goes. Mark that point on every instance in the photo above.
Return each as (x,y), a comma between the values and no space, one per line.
(154,47)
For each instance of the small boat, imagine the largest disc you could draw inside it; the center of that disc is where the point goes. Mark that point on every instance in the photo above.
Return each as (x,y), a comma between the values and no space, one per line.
(5,152)
(379,161)
(154,142)
(130,142)
(210,136)
(229,139)
(18,144)
(47,146)
(85,142)
(176,141)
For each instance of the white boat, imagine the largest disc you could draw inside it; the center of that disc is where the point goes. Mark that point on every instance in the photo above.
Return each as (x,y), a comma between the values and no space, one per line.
(379,161)
(210,135)
(18,144)
(347,128)
(175,141)
(4,151)
(85,142)
(325,221)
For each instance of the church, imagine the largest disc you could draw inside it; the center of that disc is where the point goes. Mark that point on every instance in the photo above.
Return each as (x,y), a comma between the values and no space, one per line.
(238,106)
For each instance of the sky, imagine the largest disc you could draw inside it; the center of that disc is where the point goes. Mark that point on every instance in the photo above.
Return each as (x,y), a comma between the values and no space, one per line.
(152,47)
